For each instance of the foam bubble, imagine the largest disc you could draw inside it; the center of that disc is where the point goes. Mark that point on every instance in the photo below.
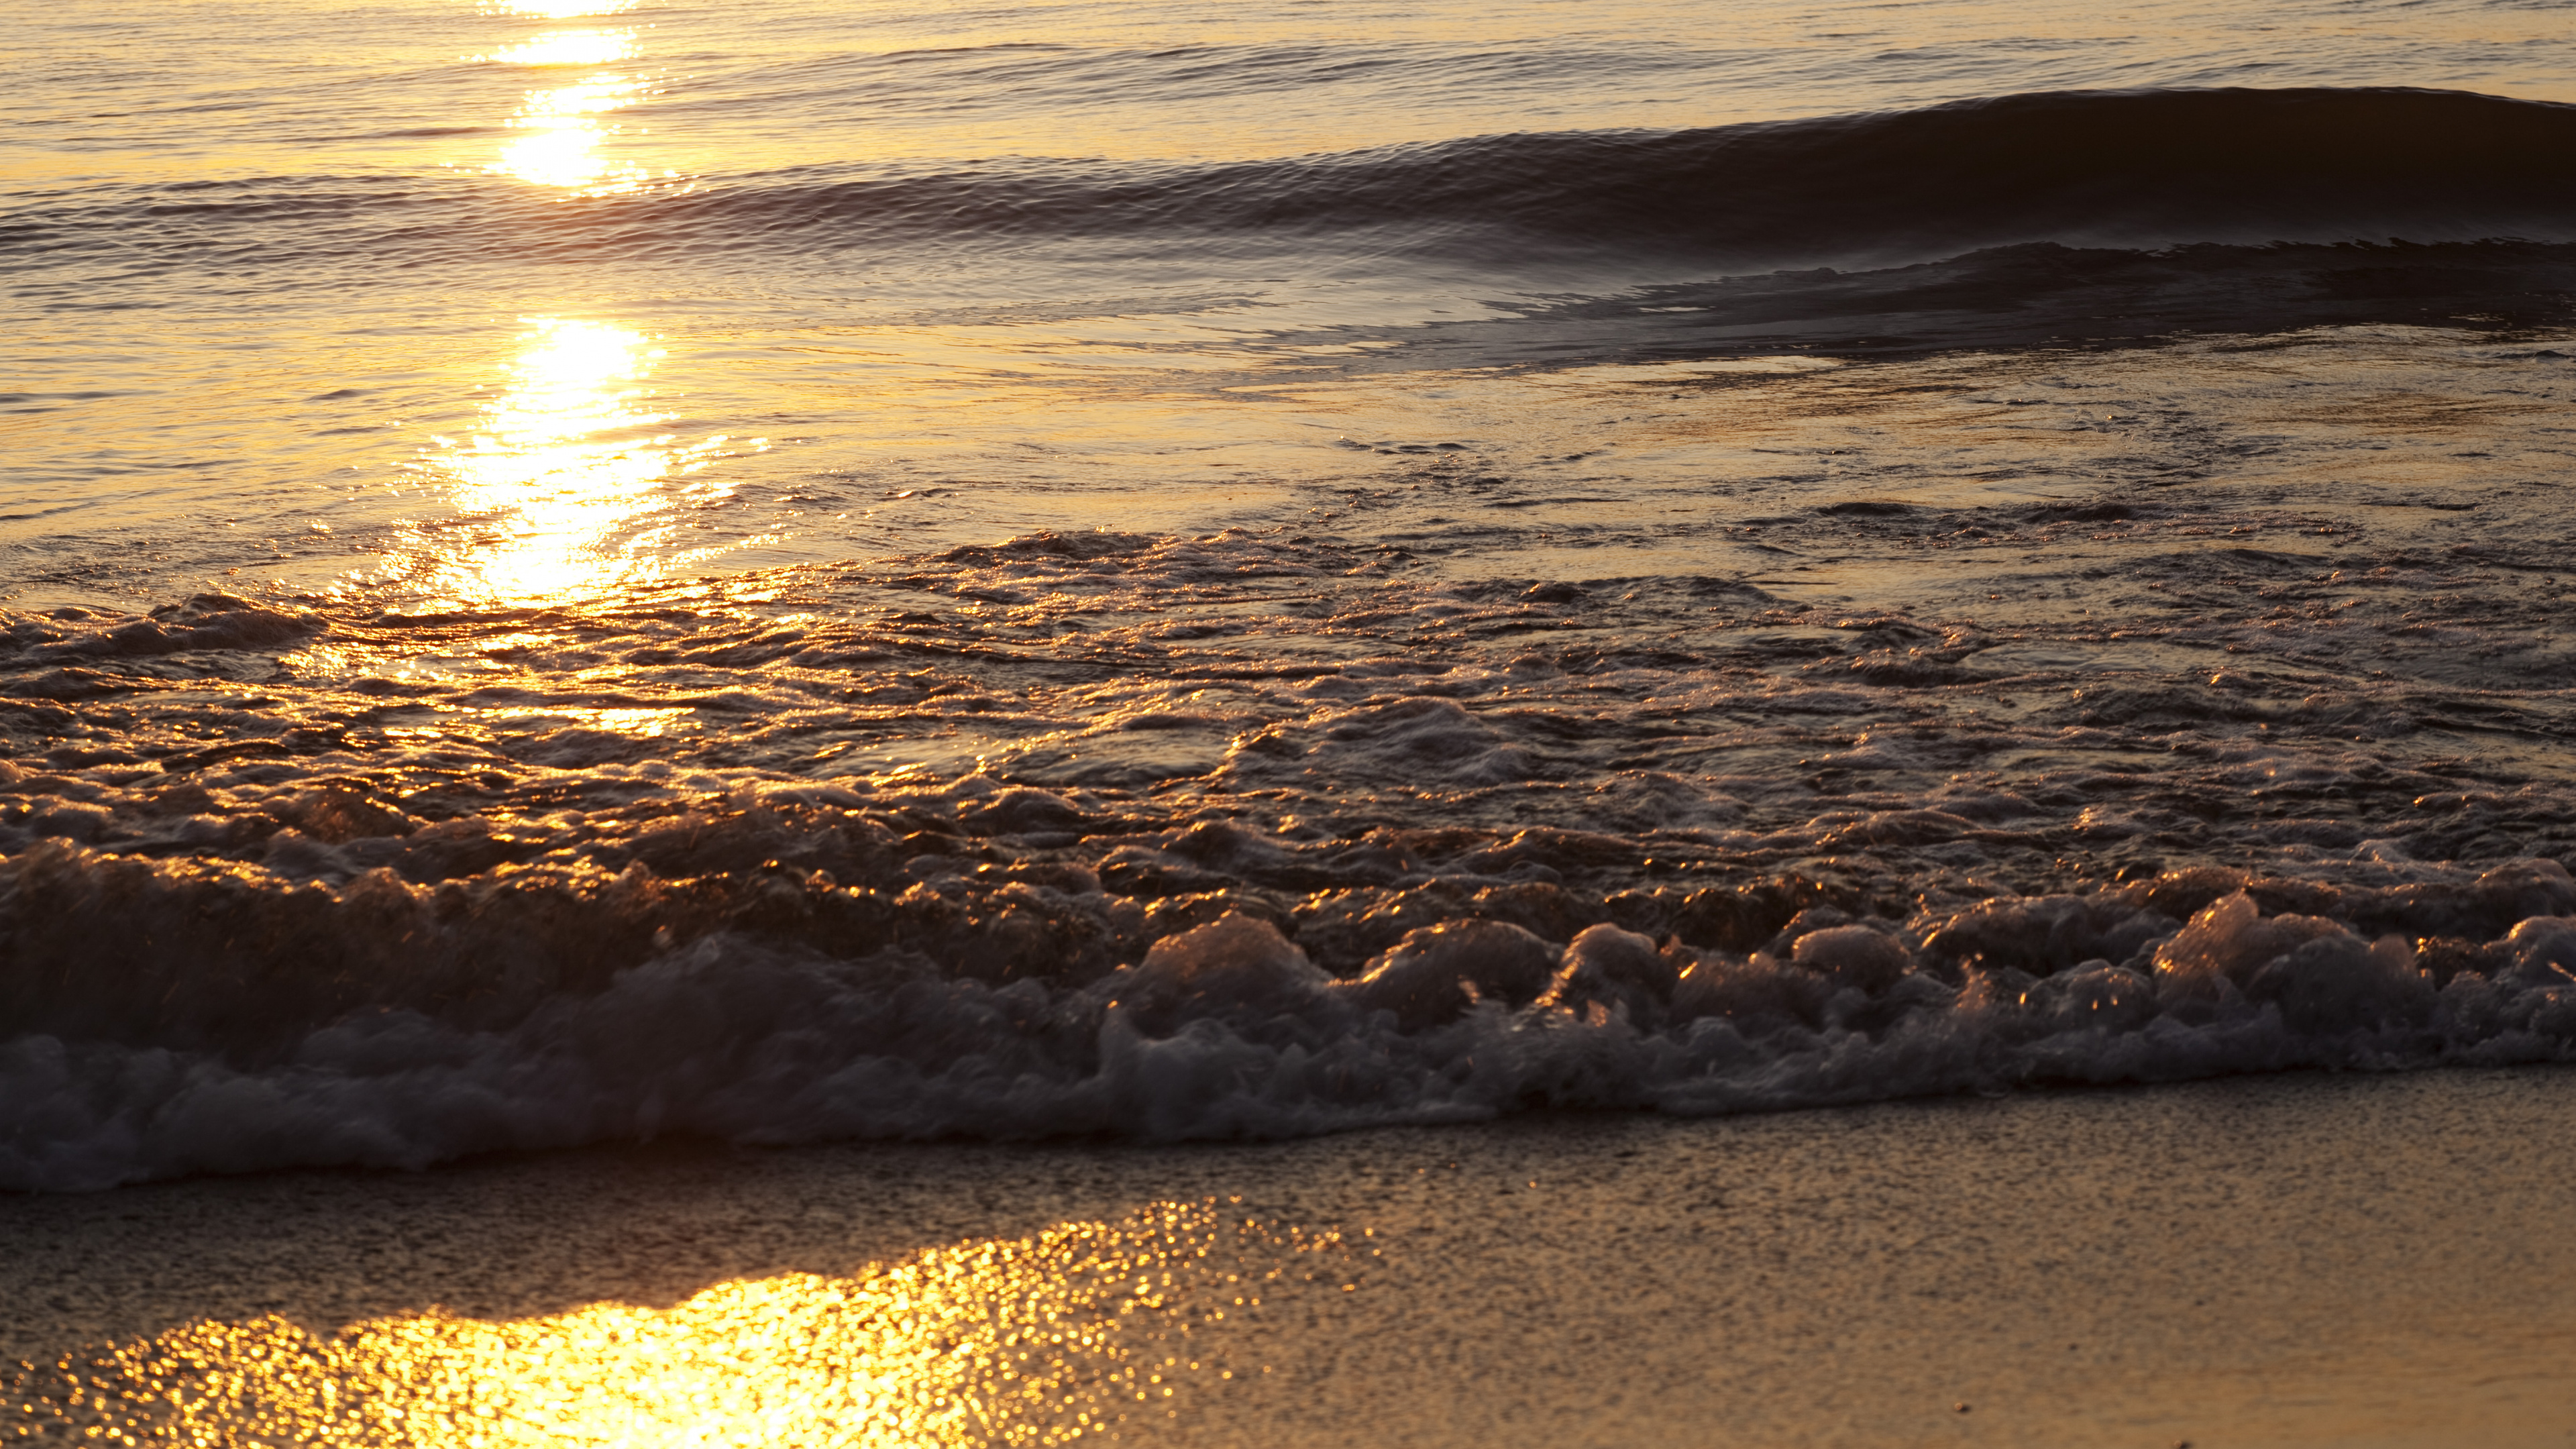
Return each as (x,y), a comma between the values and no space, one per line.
(1227,1030)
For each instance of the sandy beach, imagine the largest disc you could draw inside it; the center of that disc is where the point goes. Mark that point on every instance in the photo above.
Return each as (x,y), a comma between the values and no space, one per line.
(2279,1261)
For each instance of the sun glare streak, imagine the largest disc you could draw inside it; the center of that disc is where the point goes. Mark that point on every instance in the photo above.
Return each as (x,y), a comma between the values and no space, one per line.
(1064,1335)
(567,9)
(570,47)
(567,468)
(561,147)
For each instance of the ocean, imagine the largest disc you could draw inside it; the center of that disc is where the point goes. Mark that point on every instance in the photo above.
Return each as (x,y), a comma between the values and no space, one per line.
(578,573)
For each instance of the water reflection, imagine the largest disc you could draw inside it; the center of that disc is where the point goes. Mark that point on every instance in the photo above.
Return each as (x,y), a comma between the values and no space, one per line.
(570,475)
(564,133)
(563,130)
(566,9)
(1067,1334)
(571,47)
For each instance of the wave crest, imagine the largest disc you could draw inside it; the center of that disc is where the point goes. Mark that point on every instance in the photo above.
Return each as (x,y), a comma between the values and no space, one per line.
(1050,1010)
(2128,169)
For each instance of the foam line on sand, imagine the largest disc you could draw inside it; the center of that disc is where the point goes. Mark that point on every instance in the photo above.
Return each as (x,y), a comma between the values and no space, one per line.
(2346,1260)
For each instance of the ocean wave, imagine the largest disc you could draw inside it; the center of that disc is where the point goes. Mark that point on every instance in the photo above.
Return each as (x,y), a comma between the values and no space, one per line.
(1255,834)
(2136,170)
(1229,1029)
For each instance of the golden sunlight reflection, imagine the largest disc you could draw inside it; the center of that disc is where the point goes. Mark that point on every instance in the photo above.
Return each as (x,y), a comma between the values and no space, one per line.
(571,47)
(567,9)
(1066,1334)
(563,133)
(566,468)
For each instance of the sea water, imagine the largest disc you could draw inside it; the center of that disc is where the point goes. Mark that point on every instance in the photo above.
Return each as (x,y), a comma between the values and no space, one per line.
(579,571)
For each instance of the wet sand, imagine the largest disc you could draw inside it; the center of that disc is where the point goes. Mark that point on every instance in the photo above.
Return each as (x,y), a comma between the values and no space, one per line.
(2280,1261)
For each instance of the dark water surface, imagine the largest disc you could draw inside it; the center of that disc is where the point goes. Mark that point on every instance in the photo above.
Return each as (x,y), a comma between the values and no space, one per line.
(785,573)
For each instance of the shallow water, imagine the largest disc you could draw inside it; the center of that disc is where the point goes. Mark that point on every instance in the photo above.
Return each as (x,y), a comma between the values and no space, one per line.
(577,572)
(2283,1261)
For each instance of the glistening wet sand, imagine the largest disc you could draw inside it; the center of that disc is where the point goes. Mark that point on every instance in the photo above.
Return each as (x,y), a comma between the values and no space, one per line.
(2274,1261)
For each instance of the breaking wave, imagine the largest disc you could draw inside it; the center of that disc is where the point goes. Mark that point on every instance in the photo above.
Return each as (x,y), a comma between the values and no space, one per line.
(255,913)
(1258,834)
(169,1020)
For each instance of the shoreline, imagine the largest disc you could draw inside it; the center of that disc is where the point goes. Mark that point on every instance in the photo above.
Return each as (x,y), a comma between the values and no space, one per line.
(2327,1259)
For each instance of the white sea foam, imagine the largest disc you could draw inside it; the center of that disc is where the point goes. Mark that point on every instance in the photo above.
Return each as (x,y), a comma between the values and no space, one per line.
(1228,1031)
(1261,832)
